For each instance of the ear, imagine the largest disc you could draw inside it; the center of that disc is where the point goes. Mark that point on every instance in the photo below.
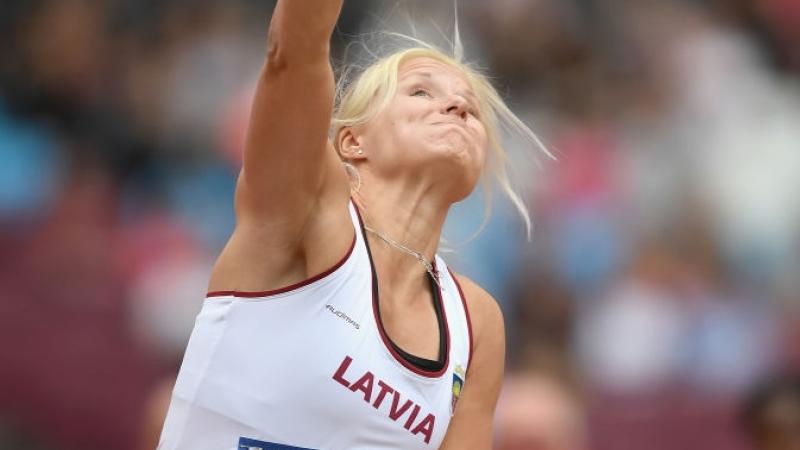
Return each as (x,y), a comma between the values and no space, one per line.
(349,145)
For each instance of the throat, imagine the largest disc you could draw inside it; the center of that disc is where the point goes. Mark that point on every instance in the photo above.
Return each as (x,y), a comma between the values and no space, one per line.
(427,263)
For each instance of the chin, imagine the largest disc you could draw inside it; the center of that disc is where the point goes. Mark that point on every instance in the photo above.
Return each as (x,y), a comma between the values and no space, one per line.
(456,161)
(462,169)
(466,185)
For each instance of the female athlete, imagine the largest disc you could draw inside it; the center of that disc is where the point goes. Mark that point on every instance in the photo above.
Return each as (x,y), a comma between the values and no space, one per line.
(330,322)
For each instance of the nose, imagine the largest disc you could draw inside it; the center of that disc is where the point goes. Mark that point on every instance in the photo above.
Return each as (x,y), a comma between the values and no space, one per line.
(457,105)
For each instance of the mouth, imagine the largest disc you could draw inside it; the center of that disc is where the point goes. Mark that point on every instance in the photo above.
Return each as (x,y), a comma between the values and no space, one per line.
(461,126)
(453,132)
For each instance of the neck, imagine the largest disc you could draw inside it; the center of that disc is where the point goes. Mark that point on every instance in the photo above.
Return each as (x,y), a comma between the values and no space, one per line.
(409,214)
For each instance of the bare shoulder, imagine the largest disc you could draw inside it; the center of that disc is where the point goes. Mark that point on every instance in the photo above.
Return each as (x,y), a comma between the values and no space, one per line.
(485,313)
(488,327)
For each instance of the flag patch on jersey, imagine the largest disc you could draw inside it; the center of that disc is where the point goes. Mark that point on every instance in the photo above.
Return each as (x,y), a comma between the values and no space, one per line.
(458,385)
(252,444)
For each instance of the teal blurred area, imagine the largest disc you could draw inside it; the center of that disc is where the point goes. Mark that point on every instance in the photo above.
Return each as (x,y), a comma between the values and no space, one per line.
(655,306)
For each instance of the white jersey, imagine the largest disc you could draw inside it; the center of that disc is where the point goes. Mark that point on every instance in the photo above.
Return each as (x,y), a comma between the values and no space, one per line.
(310,366)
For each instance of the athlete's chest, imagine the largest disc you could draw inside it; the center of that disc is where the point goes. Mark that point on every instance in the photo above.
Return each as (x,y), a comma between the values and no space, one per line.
(327,367)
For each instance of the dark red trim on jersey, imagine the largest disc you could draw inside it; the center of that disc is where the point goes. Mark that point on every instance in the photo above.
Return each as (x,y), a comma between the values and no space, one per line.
(292,287)
(466,312)
(379,324)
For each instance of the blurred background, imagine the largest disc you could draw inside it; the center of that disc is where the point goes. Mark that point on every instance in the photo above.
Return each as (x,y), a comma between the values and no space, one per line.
(657,305)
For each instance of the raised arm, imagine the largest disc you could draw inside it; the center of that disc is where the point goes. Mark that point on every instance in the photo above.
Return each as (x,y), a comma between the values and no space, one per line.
(288,160)
(291,198)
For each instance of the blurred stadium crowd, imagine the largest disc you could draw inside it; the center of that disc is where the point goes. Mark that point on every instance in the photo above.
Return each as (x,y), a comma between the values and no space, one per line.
(661,285)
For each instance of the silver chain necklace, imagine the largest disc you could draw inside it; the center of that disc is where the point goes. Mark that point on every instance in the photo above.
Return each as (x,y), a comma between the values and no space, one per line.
(419,256)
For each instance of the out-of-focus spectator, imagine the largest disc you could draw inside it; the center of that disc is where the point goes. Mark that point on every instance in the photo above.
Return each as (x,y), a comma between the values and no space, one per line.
(537,411)
(632,338)
(771,414)
(31,172)
(750,191)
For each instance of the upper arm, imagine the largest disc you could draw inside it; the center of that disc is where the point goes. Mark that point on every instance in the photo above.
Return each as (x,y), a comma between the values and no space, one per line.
(471,426)
(292,219)
(289,162)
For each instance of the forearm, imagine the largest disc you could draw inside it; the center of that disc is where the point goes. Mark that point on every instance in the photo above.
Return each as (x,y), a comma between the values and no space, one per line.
(286,155)
(302,28)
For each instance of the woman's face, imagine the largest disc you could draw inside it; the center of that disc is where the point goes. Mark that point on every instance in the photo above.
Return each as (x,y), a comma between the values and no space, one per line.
(432,124)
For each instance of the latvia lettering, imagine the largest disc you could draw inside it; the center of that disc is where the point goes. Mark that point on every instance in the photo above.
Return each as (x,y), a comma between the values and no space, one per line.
(375,393)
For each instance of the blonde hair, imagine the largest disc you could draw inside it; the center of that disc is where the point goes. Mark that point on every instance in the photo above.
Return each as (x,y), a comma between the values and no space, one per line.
(371,91)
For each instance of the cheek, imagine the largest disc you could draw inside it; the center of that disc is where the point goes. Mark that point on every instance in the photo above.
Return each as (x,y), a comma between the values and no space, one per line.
(381,129)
